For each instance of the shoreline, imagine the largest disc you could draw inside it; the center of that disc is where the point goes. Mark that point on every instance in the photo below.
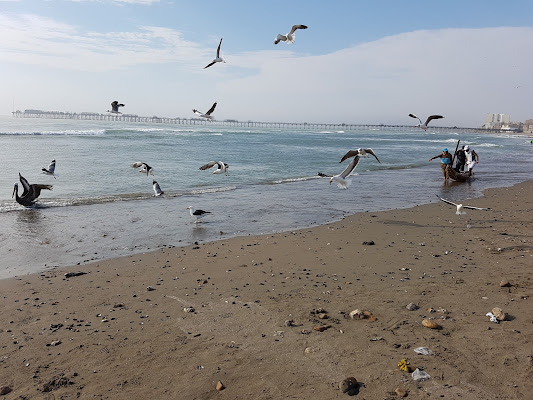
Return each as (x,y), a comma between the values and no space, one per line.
(222,311)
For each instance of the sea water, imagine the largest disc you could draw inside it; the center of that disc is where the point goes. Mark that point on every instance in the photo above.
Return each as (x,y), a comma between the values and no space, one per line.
(101,207)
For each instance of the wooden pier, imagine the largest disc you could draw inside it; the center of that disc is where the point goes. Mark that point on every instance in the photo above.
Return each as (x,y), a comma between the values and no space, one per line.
(89,116)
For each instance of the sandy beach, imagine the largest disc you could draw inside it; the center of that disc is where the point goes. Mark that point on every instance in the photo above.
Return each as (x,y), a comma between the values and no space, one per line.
(269,316)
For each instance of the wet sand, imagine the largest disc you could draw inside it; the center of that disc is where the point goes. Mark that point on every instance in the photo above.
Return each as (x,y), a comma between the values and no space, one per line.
(269,316)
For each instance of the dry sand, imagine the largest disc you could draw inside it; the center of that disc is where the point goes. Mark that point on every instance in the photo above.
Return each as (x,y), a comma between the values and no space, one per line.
(256,301)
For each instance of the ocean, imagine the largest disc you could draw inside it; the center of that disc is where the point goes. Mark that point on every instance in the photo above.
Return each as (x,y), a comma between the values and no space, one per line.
(100,207)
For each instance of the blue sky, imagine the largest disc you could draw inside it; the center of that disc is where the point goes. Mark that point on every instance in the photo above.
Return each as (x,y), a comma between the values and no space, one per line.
(359,61)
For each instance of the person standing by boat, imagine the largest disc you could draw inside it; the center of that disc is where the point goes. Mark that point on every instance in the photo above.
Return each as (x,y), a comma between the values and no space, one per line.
(471,159)
(445,161)
(461,160)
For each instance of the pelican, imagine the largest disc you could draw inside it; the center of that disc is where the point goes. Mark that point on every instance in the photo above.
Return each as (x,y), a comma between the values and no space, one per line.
(114,107)
(341,180)
(30,192)
(197,213)
(425,126)
(51,169)
(460,207)
(289,37)
(207,114)
(157,189)
(222,168)
(145,167)
(218,58)
(359,152)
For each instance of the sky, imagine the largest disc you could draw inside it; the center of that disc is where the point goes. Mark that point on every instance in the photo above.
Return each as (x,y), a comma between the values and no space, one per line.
(359,61)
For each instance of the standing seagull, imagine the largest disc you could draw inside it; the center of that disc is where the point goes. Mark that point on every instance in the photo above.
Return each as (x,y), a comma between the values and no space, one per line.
(157,189)
(341,180)
(359,152)
(30,192)
(289,37)
(207,114)
(425,126)
(197,213)
(114,107)
(218,58)
(460,207)
(222,168)
(51,169)
(145,167)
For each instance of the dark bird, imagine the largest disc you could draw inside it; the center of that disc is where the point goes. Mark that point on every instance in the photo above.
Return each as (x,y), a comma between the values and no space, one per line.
(197,213)
(145,167)
(218,58)
(222,168)
(30,192)
(207,114)
(114,107)
(51,169)
(425,126)
(289,37)
(359,152)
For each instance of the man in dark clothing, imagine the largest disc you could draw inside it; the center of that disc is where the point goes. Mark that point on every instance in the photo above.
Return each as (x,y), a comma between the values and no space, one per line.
(461,159)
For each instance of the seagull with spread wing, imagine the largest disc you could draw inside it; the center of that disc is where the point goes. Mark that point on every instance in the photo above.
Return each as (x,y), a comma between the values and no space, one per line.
(114,107)
(207,115)
(51,169)
(359,152)
(289,37)
(461,207)
(145,167)
(217,58)
(425,125)
(222,168)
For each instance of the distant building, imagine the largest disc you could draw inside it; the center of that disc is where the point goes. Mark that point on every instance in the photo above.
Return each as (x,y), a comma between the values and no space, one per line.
(497,121)
(527,127)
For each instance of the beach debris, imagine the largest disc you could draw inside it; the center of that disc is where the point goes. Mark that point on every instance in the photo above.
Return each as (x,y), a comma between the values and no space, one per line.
(71,274)
(369,316)
(289,323)
(220,386)
(321,328)
(56,382)
(497,315)
(376,339)
(369,243)
(423,350)
(54,343)
(309,350)
(492,318)
(505,283)
(323,316)
(428,323)
(5,390)
(188,309)
(357,314)
(349,386)
(403,365)
(419,376)
(412,307)
(149,288)
(400,392)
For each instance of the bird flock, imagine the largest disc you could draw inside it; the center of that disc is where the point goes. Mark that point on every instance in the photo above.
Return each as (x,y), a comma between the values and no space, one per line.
(32,191)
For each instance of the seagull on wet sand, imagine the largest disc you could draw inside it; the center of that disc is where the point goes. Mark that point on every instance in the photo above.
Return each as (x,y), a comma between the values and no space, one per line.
(145,167)
(30,192)
(207,114)
(460,207)
(289,37)
(51,169)
(218,58)
(222,168)
(114,107)
(425,126)
(197,213)
(157,189)
(359,152)
(341,180)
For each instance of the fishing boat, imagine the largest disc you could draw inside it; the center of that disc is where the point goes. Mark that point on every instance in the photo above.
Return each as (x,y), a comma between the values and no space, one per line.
(456,175)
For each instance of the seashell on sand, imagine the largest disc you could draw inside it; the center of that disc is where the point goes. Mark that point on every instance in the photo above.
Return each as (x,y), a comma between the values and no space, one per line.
(499,314)
(220,386)
(357,314)
(428,323)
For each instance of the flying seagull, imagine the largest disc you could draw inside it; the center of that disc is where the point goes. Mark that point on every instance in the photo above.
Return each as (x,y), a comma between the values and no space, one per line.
(425,126)
(157,189)
(197,213)
(145,167)
(114,107)
(218,58)
(289,37)
(207,114)
(341,180)
(222,168)
(359,152)
(460,207)
(51,169)
(30,192)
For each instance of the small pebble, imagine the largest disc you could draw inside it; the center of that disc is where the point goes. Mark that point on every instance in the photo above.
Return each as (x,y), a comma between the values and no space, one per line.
(220,386)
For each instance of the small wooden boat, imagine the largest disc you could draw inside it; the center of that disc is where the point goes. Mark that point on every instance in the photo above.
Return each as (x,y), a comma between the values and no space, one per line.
(456,175)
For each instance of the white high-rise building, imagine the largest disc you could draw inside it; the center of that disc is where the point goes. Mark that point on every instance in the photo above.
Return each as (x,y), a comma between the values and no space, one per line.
(495,121)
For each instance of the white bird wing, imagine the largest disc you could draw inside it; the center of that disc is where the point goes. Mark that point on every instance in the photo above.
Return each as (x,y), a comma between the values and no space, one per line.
(447,201)
(210,164)
(196,111)
(294,27)
(52,167)
(350,167)
(476,208)
(137,164)
(280,38)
